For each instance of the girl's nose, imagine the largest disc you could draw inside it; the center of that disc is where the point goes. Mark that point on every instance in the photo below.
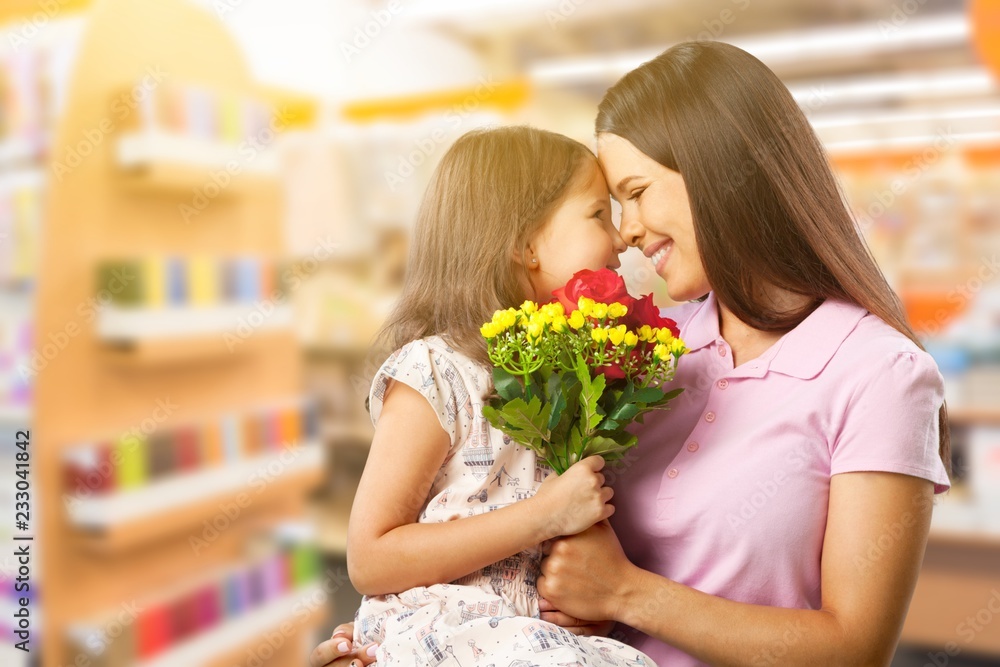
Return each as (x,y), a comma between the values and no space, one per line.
(617,243)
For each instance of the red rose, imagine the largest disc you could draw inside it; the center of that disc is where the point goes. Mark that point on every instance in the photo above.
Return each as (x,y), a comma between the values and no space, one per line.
(604,286)
(644,311)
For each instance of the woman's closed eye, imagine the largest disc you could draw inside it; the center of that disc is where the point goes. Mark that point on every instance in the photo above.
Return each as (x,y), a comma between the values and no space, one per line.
(636,194)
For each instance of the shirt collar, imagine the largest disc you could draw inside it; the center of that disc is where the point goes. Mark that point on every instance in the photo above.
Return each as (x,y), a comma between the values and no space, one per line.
(803,352)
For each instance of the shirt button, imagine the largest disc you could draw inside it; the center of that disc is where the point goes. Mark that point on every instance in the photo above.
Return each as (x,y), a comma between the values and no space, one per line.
(723,383)
(710,417)
(692,446)
(672,473)
(722,351)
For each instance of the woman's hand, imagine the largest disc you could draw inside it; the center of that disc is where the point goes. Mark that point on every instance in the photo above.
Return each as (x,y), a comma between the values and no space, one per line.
(576,499)
(338,650)
(550,614)
(585,575)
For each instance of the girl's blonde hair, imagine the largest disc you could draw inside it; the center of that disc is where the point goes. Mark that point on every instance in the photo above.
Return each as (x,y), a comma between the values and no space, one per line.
(493,191)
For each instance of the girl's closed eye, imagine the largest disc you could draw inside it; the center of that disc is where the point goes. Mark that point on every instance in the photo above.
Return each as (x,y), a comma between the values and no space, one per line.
(636,194)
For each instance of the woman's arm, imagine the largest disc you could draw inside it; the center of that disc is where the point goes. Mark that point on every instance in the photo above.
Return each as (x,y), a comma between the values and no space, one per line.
(876,533)
(389,552)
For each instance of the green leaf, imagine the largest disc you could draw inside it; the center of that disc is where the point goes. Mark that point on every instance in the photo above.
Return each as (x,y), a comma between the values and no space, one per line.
(661,404)
(571,392)
(529,419)
(507,385)
(554,391)
(574,447)
(599,444)
(624,412)
(590,394)
(648,395)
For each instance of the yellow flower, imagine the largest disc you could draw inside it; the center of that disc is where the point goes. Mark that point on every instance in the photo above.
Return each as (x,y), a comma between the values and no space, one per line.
(488,331)
(664,335)
(599,335)
(600,310)
(508,318)
(553,309)
(535,331)
(529,307)
(559,323)
(631,340)
(585,305)
(617,335)
(617,310)
(677,347)
(661,352)
(576,319)
(646,333)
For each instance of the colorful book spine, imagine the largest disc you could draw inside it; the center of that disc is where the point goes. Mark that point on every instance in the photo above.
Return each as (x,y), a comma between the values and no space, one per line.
(133,461)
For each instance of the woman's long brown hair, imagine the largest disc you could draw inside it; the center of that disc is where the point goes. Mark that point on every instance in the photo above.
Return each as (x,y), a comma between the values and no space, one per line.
(767,209)
(492,192)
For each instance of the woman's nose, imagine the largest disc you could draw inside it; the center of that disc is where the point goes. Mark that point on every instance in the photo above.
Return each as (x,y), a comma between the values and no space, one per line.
(631,231)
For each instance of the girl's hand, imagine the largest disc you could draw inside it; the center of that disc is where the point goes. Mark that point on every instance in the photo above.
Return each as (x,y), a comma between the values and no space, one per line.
(575,500)
(586,576)
(338,650)
(550,614)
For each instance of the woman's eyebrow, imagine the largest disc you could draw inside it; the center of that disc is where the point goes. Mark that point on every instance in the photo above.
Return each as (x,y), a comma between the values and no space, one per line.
(625,181)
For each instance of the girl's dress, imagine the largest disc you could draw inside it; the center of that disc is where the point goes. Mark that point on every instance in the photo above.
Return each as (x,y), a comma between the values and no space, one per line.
(489,617)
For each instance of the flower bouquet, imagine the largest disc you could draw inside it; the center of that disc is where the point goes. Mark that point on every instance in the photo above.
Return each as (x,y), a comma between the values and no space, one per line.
(572,374)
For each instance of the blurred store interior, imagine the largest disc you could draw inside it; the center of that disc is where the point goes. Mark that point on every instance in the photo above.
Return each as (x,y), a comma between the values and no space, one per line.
(239,237)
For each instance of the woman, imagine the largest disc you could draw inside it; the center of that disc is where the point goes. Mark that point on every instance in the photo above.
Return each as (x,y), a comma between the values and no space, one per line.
(781,508)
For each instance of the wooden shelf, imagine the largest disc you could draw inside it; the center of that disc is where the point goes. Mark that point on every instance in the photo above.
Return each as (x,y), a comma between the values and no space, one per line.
(116,324)
(127,519)
(332,520)
(245,631)
(15,415)
(356,431)
(943,600)
(160,160)
(972,415)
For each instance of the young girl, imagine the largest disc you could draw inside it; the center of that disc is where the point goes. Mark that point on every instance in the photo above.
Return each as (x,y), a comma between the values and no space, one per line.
(510,215)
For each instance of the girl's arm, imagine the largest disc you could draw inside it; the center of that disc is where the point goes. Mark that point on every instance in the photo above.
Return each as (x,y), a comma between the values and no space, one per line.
(388,551)
(865,592)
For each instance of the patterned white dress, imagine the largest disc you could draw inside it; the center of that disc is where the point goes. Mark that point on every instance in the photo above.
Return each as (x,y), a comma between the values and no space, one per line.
(489,617)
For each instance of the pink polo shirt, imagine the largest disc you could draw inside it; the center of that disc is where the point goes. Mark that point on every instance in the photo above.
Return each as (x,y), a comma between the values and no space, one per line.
(730,495)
